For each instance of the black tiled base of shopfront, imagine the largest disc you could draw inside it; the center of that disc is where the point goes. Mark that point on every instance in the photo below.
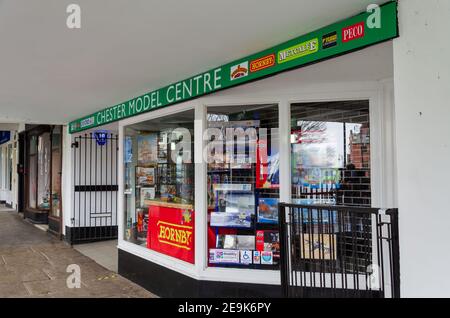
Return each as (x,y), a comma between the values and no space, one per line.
(37,217)
(170,284)
(80,235)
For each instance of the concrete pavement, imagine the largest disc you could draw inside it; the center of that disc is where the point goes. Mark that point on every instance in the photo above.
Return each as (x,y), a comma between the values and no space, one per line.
(34,264)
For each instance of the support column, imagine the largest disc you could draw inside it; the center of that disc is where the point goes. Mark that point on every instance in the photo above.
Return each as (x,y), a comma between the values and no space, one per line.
(422,94)
(67,179)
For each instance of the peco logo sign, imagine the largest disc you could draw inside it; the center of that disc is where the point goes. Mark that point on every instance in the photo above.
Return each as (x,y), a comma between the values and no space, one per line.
(353,32)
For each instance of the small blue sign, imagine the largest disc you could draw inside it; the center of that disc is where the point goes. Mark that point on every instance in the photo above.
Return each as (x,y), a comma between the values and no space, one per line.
(5,136)
(101,137)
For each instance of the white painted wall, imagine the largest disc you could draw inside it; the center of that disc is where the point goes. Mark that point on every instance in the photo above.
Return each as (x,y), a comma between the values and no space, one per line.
(422,102)
(66,179)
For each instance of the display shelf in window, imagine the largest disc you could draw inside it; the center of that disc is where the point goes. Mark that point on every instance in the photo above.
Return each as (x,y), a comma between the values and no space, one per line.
(247,173)
(169,205)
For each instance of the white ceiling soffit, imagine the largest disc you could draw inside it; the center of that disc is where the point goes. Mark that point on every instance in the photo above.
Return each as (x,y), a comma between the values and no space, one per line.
(52,74)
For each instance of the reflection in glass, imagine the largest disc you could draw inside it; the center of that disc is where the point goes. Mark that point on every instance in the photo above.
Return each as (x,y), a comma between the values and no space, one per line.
(43,194)
(32,172)
(56,172)
(330,146)
(159,185)
(243,186)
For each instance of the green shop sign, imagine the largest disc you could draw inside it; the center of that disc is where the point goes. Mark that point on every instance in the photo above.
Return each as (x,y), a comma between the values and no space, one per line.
(377,25)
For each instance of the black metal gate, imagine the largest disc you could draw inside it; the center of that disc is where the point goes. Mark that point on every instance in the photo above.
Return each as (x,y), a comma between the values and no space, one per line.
(94,213)
(339,252)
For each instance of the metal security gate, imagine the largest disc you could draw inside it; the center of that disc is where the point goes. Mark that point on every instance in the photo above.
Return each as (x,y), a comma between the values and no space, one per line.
(339,252)
(94,213)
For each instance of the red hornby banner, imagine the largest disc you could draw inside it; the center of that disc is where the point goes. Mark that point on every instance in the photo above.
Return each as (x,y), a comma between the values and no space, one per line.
(171,232)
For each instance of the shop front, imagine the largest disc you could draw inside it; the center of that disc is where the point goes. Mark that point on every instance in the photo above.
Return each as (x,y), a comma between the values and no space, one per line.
(8,157)
(42,146)
(200,180)
(210,225)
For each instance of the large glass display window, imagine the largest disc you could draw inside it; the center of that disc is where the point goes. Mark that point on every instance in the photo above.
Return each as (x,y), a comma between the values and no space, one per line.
(56,171)
(330,151)
(43,170)
(159,185)
(243,186)
(44,154)
(32,171)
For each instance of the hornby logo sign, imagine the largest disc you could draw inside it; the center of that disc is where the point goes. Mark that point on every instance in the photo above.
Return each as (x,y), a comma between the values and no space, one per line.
(171,231)
(175,235)
(262,63)
(353,32)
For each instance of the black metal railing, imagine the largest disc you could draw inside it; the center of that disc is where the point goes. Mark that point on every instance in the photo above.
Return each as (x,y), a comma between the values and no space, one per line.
(339,251)
(95,178)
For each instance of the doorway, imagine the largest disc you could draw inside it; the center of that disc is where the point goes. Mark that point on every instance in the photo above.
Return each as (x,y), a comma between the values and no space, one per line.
(55,211)
(94,212)
(21,172)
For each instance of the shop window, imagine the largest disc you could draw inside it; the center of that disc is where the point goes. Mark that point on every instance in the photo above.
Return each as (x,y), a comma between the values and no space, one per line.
(32,171)
(43,189)
(330,151)
(159,185)
(243,186)
(56,172)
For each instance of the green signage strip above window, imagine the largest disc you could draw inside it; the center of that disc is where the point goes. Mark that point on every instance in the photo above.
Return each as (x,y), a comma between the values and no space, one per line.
(376,25)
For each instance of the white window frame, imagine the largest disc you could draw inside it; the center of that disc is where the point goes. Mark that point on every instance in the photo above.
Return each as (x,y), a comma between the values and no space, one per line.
(379,95)
(140,251)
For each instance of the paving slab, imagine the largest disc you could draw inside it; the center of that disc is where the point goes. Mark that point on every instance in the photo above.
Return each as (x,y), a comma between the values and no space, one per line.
(13,290)
(105,253)
(34,264)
